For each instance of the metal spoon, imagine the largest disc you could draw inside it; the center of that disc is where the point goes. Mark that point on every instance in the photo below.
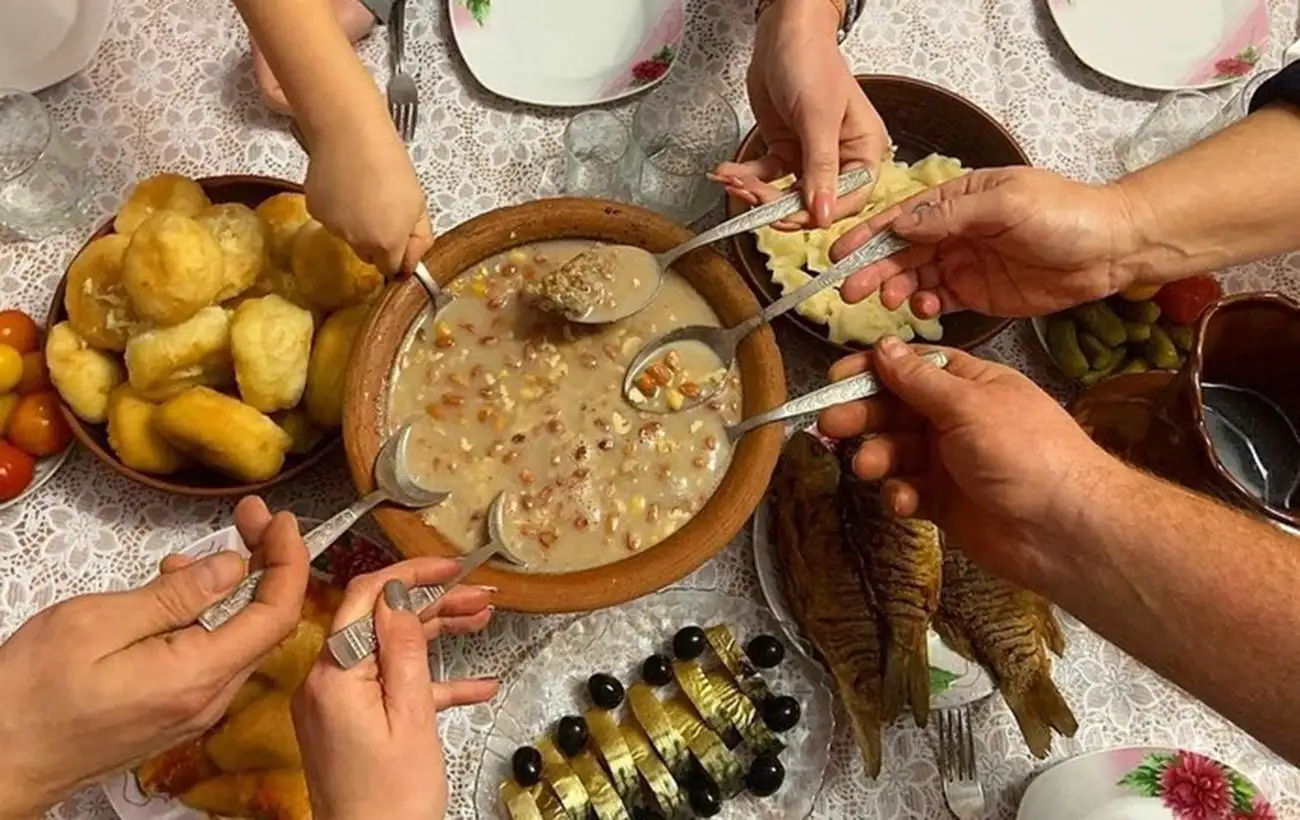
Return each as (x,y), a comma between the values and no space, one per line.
(356,641)
(655,265)
(396,485)
(856,388)
(725,341)
(438,297)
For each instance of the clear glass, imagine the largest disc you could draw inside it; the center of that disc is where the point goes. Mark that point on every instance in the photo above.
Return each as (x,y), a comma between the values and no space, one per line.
(1238,106)
(44,182)
(680,132)
(595,144)
(1176,122)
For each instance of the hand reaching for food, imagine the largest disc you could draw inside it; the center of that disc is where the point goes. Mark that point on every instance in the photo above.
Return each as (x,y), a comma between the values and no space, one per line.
(98,682)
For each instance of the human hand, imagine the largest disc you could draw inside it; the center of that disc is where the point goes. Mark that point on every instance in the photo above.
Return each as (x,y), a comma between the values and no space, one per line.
(97,683)
(369,735)
(1003,242)
(812,114)
(976,447)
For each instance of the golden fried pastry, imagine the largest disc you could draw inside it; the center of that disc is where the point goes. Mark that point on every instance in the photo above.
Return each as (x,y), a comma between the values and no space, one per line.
(223,433)
(327,375)
(96,301)
(306,434)
(242,238)
(176,770)
(272,795)
(289,663)
(82,375)
(283,214)
(172,269)
(329,274)
(168,361)
(270,339)
(164,192)
(259,737)
(252,690)
(133,438)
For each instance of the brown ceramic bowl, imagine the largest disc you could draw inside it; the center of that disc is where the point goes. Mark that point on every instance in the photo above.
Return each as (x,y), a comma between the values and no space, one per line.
(922,119)
(197,482)
(703,536)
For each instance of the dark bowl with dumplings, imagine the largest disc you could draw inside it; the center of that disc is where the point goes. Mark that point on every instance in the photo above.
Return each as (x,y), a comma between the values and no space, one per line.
(196,481)
(922,119)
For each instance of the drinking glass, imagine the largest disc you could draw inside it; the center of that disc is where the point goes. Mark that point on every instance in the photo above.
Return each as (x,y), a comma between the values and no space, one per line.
(1238,106)
(1176,122)
(595,144)
(44,182)
(680,132)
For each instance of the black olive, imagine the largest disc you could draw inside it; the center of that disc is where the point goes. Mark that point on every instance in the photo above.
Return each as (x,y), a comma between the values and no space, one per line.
(689,643)
(571,735)
(657,670)
(765,651)
(527,766)
(766,774)
(781,713)
(605,690)
(696,776)
(706,800)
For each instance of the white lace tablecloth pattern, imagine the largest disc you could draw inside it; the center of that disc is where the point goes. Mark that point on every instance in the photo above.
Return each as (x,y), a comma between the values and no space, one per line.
(171,88)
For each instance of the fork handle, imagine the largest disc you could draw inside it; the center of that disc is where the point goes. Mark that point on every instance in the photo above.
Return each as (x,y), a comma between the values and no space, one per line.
(397,36)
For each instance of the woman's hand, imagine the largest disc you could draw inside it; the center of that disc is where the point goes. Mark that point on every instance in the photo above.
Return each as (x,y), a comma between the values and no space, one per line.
(369,735)
(99,682)
(1003,242)
(811,112)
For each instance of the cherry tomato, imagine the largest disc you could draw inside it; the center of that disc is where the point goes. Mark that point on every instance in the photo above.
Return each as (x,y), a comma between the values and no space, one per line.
(11,368)
(16,470)
(1182,302)
(7,404)
(36,376)
(18,331)
(38,427)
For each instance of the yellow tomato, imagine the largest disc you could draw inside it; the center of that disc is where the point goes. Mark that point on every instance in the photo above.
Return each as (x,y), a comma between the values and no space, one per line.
(11,368)
(1140,293)
(7,404)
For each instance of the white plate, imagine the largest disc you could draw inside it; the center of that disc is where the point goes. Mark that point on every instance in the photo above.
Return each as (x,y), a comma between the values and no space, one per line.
(553,684)
(122,789)
(1135,784)
(568,52)
(43,42)
(1166,44)
(45,470)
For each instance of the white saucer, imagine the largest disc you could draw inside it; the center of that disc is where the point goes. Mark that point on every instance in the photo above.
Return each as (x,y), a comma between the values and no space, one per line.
(568,52)
(43,42)
(1166,44)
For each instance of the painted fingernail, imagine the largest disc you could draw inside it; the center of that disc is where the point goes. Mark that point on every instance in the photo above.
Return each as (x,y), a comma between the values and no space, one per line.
(823,205)
(489,590)
(892,347)
(396,595)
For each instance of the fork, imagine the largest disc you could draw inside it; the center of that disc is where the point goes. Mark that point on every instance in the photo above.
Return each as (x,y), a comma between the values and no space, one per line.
(403,99)
(961,787)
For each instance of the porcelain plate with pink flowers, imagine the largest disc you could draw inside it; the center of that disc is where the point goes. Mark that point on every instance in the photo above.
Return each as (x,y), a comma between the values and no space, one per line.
(1143,783)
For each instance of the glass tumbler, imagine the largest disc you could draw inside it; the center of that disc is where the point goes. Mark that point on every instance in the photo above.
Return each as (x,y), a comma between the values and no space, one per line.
(1176,122)
(595,143)
(44,182)
(680,132)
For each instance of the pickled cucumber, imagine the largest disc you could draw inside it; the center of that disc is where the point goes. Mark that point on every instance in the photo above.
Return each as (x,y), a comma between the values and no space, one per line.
(1098,319)
(1137,332)
(1182,336)
(1134,366)
(1063,343)
(1093,348)
(1160,350)
(1146,313)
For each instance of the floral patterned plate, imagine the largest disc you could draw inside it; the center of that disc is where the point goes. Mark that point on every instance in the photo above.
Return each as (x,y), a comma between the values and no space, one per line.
(568,52)
(42,43)
(1143,783)
(616,641)
(1166,44)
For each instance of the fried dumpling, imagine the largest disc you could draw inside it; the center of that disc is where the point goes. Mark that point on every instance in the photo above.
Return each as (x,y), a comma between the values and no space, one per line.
(259,737)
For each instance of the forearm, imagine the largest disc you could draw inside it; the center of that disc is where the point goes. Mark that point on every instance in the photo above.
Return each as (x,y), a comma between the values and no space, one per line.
(785,19)
(1227,200)
(1202,594)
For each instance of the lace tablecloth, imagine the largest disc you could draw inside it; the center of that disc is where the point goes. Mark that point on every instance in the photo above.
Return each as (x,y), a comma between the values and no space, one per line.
(171,88)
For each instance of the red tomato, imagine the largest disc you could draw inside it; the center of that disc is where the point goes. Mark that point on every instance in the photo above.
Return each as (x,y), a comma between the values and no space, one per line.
(18,331)
(36,376)
(1184,301)
(38,427)
(16,470)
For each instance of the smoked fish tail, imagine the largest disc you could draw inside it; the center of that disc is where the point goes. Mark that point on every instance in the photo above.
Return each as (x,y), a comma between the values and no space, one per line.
(1039,708)
(1050,626)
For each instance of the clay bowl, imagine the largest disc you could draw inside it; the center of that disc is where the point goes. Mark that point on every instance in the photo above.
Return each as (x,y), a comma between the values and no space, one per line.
(922,119)
(197,482)
(703,536)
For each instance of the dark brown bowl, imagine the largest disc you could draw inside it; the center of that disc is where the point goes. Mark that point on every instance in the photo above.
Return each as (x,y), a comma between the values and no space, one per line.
(761,371)
(922,119)
(196,482)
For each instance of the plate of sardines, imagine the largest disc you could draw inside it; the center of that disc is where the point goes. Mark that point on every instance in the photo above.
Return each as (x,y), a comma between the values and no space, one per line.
(902,622)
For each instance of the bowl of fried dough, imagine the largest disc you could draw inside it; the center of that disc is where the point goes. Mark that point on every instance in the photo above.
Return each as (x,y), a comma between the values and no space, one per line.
(200,339)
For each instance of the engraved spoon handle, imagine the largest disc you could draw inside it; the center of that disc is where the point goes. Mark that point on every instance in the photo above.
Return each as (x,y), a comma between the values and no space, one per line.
(774,211)
(861,386)
(437,296)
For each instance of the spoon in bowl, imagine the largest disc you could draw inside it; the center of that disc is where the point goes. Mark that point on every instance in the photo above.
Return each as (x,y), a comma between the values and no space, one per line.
(355,642)
(724,341)
(581,289)
(438,298)
(395,484)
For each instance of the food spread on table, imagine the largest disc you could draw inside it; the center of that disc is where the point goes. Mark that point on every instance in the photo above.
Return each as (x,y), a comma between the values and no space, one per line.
(32,426)
(864,587)
(700,727)
(794,257)
(210,333)
(516,400)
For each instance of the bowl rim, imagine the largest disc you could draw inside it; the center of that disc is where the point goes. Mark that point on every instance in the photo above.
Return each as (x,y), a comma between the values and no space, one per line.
(740,244)
(81,430)
(725,513)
